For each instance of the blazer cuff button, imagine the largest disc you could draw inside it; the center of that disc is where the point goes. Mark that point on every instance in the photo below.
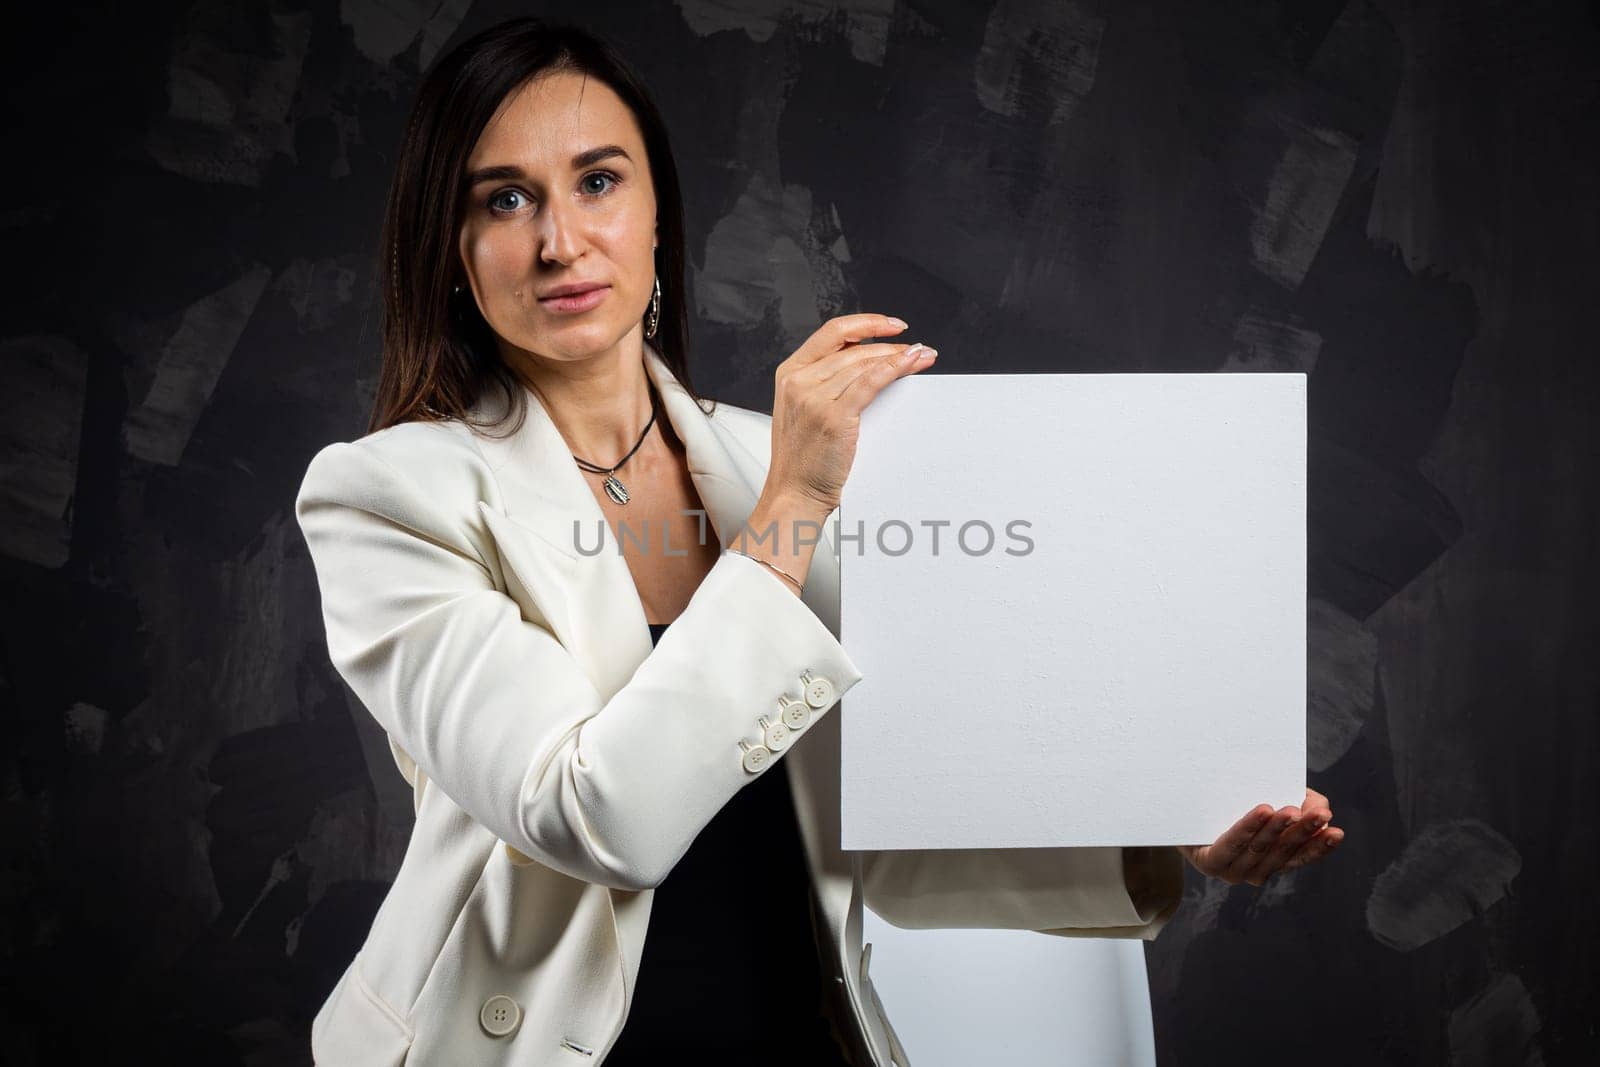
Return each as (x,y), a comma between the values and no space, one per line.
(819,690)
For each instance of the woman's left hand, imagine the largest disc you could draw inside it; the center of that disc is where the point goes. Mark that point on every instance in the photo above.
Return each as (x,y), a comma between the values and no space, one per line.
(1265,842)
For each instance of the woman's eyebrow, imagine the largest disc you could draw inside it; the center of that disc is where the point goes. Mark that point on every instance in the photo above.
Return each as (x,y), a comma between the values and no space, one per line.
(510,171)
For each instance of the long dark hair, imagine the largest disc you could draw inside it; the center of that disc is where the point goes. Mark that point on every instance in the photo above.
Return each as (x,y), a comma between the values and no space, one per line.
(438,352)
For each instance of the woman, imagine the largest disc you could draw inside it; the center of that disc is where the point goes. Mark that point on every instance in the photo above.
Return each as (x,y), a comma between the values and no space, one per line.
(602,742)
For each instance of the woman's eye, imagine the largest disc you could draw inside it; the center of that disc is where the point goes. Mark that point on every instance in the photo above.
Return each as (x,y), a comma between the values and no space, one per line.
(603,175)
(497,201)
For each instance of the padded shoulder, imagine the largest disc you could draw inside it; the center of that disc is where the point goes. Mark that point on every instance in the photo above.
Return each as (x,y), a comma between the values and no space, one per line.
(428,476)
(431,449)
(440,457)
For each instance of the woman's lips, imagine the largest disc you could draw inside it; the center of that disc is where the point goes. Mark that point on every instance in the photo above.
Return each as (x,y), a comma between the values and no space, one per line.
(577,301)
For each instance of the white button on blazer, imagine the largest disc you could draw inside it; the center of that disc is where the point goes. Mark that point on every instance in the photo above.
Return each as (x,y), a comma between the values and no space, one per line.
(560,767)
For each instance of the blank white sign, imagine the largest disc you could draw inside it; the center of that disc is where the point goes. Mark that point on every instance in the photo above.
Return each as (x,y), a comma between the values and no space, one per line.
(1078,603)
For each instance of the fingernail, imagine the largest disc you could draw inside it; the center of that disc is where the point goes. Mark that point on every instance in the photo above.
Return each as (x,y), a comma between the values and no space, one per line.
(900,323)
(911,353)
(929,354)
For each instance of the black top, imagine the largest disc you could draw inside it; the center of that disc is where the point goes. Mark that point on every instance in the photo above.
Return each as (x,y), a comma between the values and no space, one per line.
(729,973)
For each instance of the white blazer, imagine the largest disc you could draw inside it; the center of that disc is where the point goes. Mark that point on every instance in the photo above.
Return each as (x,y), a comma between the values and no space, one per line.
(561,766)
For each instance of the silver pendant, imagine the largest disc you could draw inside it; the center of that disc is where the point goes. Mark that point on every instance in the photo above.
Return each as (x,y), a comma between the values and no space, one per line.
(615,489)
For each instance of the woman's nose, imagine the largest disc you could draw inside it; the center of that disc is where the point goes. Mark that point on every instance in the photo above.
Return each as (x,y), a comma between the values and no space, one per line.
(560,233)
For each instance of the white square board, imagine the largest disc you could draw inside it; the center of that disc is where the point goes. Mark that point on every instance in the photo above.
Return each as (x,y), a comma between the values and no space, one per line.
(1123,666)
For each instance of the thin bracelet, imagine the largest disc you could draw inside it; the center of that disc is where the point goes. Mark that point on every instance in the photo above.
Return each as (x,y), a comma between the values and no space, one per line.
(774,567)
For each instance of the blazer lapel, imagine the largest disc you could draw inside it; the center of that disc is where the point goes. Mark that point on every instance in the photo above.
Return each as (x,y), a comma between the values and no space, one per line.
(561,557)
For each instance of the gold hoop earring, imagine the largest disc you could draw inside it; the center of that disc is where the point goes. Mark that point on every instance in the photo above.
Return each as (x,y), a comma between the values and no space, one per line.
(654,316)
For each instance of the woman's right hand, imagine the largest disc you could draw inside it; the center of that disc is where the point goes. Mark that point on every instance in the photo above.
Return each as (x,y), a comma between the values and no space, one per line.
(819,393)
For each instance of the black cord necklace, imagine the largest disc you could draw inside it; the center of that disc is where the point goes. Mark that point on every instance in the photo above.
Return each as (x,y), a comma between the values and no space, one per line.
(614,487)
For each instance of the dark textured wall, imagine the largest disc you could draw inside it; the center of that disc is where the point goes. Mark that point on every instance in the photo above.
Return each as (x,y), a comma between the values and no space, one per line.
(1396,198)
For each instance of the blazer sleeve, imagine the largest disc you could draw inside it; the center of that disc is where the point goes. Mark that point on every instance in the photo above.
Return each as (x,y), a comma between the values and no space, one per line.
(498,714)
(1070,892)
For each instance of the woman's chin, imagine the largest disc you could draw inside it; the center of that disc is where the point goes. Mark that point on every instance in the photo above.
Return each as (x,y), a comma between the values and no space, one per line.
(575,341)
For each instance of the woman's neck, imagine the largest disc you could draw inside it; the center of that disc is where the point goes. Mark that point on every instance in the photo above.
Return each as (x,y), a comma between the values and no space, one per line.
(600,404)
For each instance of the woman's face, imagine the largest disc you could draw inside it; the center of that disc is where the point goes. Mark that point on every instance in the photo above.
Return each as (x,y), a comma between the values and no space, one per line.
(559,194)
